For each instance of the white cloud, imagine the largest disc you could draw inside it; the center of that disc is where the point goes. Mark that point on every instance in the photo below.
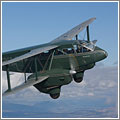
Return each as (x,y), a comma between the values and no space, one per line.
(15,79)
(90,94)
(115,63)
(97,81)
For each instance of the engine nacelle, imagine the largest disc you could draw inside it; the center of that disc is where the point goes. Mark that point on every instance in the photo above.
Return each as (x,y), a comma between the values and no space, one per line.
(52,85)
(55,93)
(78,77)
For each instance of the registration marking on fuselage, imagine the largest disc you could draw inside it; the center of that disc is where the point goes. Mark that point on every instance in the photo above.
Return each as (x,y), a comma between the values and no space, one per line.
(86,56)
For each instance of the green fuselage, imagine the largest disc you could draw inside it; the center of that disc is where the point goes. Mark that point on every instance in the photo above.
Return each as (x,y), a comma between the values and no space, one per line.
(82,59)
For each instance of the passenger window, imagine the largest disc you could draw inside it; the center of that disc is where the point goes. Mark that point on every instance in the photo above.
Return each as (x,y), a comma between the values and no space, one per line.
(57,52)
(75,47)
(68,50)
(46,53)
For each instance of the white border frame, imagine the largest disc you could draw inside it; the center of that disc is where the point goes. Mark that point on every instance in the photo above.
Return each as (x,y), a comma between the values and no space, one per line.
(59,1)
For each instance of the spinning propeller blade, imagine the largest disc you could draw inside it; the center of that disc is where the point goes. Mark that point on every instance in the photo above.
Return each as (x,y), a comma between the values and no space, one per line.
(73,64)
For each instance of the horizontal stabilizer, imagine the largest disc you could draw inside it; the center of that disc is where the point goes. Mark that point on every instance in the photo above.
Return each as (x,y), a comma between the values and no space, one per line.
(30,82)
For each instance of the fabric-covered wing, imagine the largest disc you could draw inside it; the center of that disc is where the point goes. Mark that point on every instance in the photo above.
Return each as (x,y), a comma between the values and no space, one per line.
(73,32)
(29,83)
(29,54)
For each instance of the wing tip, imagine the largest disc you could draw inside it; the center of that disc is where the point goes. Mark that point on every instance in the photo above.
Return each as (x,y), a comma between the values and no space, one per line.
(6,93)
(93,18)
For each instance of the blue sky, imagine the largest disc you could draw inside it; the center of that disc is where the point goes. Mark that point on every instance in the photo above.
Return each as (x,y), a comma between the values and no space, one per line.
(27,24)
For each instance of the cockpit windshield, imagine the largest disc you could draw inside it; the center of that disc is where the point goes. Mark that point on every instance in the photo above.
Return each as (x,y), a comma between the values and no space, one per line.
(74,50)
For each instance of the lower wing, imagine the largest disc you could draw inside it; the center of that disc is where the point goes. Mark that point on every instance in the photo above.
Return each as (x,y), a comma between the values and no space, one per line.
(26,84)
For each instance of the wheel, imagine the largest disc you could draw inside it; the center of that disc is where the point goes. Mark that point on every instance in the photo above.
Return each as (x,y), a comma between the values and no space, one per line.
(78,80)
(55,96)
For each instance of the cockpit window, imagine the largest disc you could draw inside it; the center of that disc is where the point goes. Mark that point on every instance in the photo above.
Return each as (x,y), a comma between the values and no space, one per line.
(75,49)
(80,49)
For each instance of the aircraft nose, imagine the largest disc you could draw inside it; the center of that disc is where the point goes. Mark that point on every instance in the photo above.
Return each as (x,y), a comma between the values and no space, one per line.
(105,53)
(100,55)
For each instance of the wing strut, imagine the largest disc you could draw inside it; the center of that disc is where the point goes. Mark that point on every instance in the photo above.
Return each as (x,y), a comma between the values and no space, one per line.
(25,77)
(36,68)
(88,35)
(8,77)
(24,72)
(51,60)
(76,37)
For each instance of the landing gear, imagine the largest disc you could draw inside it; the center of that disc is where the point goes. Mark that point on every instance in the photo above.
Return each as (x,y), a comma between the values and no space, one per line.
(78,80)
(55,96)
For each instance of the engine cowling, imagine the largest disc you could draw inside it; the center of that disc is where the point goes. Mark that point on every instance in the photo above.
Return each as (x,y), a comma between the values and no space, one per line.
(78,77)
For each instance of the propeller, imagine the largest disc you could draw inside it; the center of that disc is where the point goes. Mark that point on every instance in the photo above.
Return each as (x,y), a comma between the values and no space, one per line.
(73,64)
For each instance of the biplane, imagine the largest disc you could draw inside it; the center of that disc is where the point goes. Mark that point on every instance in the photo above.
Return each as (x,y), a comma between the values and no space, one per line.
(54,64)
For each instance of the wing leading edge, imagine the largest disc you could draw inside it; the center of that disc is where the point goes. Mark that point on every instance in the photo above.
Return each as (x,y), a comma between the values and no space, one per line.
(29,83)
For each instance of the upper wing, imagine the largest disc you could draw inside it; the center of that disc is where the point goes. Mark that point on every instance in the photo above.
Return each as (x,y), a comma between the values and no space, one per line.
(29,83)
(29,54)
(73,32)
